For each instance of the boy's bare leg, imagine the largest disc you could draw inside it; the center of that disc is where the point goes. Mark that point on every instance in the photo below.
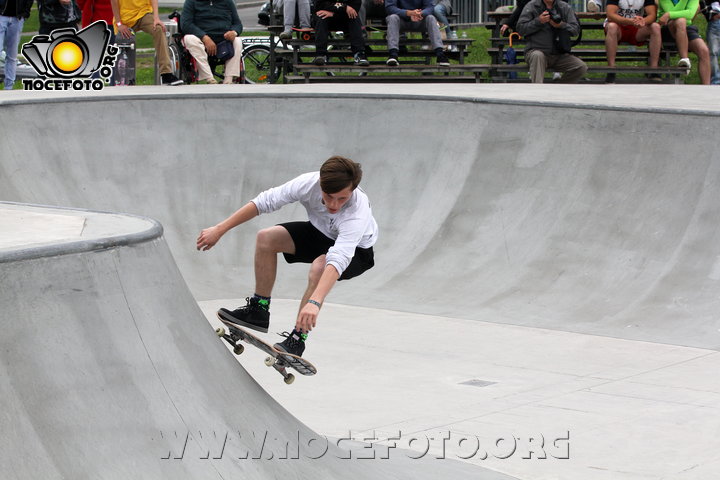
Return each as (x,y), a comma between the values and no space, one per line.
(269,243)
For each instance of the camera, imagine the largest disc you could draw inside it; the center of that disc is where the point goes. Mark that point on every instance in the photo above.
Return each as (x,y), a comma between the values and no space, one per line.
(68,53)
(555,16)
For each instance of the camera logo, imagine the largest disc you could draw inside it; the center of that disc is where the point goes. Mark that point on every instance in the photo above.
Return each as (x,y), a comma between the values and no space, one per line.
(66,59)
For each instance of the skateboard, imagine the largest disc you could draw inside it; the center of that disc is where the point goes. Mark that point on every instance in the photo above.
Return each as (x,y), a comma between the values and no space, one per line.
(277,359)
(305,34)
(125,61)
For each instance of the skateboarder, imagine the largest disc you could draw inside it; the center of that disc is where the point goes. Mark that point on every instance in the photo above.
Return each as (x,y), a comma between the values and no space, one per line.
(337,241)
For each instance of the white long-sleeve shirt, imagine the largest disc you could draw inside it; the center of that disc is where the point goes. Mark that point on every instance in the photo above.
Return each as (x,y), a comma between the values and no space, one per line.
(353,226)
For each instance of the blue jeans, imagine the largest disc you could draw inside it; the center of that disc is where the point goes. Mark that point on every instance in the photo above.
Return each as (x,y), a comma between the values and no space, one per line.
(713,40)
(441,14)
(10,30)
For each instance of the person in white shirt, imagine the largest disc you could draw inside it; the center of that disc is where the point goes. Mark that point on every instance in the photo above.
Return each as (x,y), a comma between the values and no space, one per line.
(337,240)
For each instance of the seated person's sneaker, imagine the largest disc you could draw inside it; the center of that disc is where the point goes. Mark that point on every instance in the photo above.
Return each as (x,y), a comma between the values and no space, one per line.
(593,6)
(253,315)
(442,60)
(286,35)
(170,79)
(293,344)
(684,62)
(320,60)
(392,61)
(361,59)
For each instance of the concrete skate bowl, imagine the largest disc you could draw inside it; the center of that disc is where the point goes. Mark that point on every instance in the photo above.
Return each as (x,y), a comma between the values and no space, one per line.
(491,207)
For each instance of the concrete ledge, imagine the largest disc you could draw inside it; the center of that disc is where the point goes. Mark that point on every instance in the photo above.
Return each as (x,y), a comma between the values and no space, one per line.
(35,231)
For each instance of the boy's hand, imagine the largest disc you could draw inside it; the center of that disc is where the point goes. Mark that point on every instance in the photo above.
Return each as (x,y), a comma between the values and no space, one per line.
(307,319)
(208,238)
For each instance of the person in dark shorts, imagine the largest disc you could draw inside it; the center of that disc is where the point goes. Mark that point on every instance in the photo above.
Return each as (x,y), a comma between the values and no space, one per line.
(675,17)
(337,241)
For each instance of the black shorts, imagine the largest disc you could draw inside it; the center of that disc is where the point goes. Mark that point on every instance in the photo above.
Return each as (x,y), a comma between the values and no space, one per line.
(692,34)
(310,243)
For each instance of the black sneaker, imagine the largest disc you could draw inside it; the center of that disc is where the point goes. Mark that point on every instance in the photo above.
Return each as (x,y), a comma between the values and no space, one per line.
(320,60)
(252,315)
(392,61)
(293,344)
(170,79)
(610,78)
(655,77)
(442,60)
(361,59)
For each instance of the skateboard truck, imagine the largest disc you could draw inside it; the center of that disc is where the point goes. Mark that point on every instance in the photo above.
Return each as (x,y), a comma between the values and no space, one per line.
(278,363)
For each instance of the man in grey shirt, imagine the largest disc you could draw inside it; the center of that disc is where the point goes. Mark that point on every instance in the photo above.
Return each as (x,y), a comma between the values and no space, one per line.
(540,22)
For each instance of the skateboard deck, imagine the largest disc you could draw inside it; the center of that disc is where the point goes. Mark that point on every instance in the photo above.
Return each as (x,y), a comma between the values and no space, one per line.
(304,33)
(125,61)
(277,359)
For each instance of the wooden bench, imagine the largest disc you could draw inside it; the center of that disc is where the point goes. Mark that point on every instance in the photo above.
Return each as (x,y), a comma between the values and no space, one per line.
(404,73)
(496,19)
(670,74)
(299,54)
(413,47)
(586,54)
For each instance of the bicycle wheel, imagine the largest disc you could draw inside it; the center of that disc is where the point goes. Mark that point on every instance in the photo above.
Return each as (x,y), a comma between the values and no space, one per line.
(256,61)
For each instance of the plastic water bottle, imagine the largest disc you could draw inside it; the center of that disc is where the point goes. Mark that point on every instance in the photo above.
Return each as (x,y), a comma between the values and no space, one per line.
(122,69)
(463,34)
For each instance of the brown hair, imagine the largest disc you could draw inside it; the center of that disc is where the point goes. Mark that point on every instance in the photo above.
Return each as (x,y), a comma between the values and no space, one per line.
(338,173)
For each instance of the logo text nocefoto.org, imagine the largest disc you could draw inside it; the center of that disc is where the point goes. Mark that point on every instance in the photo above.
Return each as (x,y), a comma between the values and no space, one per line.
(66,59)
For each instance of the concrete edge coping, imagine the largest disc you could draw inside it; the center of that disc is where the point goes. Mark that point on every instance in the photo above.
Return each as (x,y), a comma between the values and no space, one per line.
(105,242)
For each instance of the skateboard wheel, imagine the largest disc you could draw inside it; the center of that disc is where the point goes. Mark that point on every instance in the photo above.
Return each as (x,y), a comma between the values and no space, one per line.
(220,331)
(289,379)
(238,350)
(269,361)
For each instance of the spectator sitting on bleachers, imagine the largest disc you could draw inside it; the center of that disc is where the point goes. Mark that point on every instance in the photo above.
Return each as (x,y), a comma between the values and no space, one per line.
(335,15)
(207,23)
(537,25)
(303,16)
(510,23)
(441,10)
(413,15)
(711,9)
(142,16)
(677,27)
(633,22)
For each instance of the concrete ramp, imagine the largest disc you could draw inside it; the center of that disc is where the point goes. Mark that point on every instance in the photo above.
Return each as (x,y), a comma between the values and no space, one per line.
(110,370)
